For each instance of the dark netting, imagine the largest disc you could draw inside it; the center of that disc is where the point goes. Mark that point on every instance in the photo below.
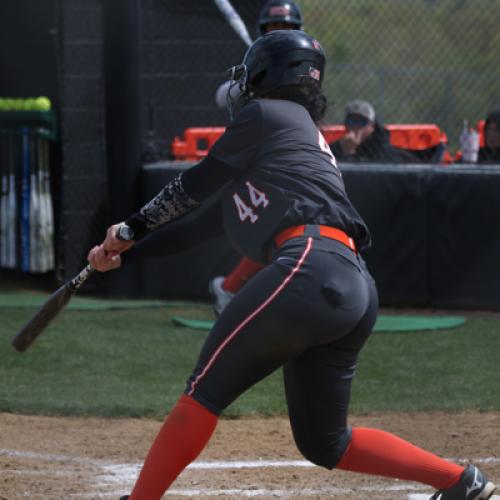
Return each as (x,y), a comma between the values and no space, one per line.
(186,46)
(416,62)
(423,66)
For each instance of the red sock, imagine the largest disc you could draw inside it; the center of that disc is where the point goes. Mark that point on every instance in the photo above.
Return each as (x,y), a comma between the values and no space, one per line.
(241,274)
(181,439)
(372,451)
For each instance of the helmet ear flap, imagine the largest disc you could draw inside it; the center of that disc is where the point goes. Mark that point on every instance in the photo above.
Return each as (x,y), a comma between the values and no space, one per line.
(257,79)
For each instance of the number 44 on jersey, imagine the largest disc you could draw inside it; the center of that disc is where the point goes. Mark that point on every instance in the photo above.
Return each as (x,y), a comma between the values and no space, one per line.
(257,199)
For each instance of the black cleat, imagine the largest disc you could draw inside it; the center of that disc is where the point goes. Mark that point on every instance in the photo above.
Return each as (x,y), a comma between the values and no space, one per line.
(124,497)
(473,485)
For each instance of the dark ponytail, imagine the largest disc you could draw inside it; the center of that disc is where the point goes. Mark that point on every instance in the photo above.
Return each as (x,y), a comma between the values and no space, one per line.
(307,92)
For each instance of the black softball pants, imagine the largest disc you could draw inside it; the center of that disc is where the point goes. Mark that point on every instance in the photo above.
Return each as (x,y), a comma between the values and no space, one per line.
(311,311)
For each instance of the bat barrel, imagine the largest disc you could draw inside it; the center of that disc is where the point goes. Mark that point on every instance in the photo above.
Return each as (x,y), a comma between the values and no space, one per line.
(37,324)
(49,310)
(234,20)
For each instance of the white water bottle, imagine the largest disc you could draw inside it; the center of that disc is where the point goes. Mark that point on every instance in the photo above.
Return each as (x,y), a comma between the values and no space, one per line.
(469,143)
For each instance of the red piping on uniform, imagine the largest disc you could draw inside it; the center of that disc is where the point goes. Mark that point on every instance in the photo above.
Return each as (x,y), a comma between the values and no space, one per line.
(252,315)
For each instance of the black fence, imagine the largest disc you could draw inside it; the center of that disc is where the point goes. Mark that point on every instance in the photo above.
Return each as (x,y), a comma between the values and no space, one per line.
(128,76)
(434,242)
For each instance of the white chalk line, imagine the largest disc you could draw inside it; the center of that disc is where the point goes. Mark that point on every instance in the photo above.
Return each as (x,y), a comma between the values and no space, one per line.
(418,496)
(213,464)
(122,475)
(281,493)
(193,493)
(308,492)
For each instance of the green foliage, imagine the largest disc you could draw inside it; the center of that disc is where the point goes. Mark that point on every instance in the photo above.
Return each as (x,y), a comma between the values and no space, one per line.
(418,61)
(135,363)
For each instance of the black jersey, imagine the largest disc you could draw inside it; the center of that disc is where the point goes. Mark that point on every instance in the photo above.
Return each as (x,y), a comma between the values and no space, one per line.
(286,176)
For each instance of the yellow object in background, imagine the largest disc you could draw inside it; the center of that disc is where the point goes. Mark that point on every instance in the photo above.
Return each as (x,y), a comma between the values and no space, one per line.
(40,103)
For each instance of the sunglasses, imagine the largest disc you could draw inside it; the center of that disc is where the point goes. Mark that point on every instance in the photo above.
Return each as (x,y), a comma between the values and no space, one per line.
(356,121)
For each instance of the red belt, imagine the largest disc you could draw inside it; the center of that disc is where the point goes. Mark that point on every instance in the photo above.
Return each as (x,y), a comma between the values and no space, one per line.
(326,231)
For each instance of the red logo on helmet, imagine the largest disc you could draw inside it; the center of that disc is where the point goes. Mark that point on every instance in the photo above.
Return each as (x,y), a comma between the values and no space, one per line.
(315,73)
(316,45)
(279,10)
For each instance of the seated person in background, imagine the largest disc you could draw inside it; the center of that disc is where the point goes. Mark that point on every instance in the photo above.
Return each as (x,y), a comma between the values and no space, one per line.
(365,139)
(490,153)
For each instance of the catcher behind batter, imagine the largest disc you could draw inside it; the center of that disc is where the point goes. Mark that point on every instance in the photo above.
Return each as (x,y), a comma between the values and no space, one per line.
(312,307)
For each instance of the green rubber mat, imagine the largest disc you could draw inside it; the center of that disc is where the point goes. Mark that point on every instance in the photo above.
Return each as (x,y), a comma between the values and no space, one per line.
(385,323)
(81,303)
(195,324)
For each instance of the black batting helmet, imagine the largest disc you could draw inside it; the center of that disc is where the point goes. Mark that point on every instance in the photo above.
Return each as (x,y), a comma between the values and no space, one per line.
(279,11)
(277,59)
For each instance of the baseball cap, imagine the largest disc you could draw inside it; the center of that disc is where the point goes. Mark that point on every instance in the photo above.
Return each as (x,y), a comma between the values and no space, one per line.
(362,108)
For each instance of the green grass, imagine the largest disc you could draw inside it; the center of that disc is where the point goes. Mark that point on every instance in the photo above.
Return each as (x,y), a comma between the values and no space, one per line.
(444,370)
(135,363)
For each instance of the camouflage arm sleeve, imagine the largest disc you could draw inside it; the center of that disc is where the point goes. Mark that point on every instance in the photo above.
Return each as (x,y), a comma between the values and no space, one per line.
(169,204)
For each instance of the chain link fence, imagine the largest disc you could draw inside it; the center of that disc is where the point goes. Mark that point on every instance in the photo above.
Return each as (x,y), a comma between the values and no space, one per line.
(415,61)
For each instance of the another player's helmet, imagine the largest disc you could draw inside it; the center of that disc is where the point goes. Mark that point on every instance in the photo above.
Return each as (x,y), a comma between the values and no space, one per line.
(277,59)
(279,11)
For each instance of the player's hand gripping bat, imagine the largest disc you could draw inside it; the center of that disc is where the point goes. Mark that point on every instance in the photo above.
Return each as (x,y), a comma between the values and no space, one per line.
(55,303)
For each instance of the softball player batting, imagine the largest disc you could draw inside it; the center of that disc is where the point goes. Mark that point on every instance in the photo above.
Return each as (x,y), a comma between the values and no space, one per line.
(310,309)
(274,15)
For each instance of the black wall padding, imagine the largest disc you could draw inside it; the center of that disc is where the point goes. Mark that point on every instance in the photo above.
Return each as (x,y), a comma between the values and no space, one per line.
(464,237)
(121,49)
(435,236)
(185,274)
(392,201)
